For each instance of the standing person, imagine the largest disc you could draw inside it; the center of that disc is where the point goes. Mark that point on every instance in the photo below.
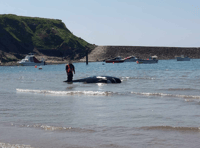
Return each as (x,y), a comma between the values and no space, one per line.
(69,70)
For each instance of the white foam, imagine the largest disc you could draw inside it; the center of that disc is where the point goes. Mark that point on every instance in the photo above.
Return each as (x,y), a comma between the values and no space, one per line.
(57,128)
(7,145)
(53,128)
(166,95)
(65,92)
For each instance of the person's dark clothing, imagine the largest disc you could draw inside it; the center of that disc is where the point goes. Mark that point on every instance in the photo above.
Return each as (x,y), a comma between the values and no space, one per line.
(69,77)
(69,70)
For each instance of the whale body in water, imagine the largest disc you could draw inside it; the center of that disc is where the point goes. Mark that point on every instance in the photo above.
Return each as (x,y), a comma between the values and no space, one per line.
(98,79)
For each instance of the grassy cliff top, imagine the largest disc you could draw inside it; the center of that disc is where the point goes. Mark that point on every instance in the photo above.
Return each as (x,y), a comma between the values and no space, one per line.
(40,32)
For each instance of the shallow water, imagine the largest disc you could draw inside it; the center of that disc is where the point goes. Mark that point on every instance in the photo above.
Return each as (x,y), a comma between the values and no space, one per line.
(156,105)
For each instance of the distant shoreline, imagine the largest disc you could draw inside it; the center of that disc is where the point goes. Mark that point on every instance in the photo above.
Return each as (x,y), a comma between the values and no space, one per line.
(47,63)
(102,53)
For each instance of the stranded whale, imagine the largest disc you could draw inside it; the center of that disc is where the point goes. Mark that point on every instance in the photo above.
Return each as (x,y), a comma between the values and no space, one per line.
(98,79)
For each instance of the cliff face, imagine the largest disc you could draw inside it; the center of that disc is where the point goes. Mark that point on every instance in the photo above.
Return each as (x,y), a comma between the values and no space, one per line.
(101,53)
(21,35)
(9,44)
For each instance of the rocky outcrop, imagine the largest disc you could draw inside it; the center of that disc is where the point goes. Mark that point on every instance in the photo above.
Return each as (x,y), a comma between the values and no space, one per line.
(101,53)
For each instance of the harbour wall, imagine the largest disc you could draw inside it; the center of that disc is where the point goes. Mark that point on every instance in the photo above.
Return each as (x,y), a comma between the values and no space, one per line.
(101,53)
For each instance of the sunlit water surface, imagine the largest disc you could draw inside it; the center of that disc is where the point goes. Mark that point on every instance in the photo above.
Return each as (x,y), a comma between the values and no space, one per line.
(156,105)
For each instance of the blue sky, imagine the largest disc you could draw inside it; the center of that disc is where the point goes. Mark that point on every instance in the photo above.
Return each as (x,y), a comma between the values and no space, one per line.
(171,23)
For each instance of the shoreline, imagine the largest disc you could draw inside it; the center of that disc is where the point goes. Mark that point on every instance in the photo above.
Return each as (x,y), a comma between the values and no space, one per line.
(102,53)
(59,62)
(47,63)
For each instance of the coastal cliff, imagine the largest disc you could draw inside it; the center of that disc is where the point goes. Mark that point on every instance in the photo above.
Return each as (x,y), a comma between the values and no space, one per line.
(20,35)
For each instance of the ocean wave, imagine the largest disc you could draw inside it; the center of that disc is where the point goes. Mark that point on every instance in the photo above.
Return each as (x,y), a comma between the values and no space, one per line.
(47,127)
(57,128)
(171,128)
(142,78)
(7,145)
(166,95)
(51,92)
(181,89)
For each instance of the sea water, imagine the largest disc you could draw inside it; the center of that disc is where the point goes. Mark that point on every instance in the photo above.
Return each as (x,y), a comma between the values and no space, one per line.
(156,105)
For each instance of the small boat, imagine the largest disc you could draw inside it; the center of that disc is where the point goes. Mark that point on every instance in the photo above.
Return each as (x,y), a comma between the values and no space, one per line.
(30,60)
(130,59)
(151,60)
(115,60)
(182,58)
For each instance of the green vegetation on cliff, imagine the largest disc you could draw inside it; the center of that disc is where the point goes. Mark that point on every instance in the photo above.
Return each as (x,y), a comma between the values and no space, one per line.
(21,35)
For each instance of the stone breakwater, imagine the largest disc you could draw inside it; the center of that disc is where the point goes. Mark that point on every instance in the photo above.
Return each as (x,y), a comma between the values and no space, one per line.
(101,53)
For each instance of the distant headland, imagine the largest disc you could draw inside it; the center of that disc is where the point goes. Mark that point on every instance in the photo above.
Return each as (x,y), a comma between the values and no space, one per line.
(20,35)
(52,40)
